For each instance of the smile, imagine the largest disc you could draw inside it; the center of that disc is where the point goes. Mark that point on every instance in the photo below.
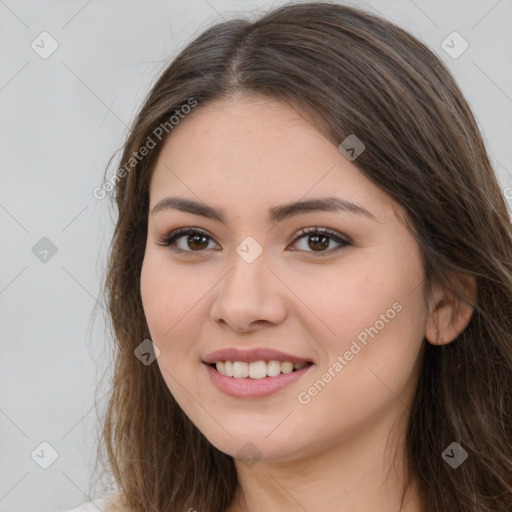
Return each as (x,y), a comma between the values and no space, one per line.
(257,369)
(257,379)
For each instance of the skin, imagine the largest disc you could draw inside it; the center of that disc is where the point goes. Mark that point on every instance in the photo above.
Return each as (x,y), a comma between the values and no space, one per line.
(344,449)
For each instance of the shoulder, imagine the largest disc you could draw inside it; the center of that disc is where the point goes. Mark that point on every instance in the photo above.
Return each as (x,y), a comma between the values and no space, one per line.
(97,505)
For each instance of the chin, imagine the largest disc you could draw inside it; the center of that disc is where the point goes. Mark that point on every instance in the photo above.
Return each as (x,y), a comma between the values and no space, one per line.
(250,446)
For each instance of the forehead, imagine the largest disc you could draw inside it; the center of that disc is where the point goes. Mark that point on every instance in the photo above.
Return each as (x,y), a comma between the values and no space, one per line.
(253,150)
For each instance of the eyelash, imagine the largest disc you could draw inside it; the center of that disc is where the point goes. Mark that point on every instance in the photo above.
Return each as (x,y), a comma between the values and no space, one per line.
(170,239)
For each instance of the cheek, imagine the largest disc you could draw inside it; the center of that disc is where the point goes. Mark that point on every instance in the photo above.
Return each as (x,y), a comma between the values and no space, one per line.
(343,301)
(164,292)
(171,299)
(150,289)
(162,305)
(369,368)
(166,303)
(373,313)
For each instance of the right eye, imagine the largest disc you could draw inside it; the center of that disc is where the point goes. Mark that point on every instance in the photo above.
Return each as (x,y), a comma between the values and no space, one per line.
(193,237)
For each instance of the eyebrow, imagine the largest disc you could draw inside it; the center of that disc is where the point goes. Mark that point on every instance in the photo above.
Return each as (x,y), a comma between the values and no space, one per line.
(276,214)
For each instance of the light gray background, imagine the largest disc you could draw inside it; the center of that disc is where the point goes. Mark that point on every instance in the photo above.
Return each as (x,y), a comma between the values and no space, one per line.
(61,119)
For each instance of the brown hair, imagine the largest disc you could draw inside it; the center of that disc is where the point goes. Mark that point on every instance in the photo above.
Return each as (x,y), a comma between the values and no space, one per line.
(349,72)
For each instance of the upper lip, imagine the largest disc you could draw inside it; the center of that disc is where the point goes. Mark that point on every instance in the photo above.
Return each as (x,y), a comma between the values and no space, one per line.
(250,356)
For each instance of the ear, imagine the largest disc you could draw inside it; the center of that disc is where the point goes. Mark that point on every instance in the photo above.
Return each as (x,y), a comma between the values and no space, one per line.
(449,315)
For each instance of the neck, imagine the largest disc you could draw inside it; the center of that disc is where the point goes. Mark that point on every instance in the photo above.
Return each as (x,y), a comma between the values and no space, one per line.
(365,471)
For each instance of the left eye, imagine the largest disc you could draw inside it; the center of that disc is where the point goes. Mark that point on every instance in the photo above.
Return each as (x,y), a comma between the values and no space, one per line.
(319,239)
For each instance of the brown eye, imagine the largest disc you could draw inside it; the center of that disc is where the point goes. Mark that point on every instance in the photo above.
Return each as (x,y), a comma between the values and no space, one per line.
(195,240)
(319,239)
(318,242)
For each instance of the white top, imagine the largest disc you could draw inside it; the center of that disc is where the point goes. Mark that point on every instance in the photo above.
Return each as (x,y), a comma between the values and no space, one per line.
(97,505)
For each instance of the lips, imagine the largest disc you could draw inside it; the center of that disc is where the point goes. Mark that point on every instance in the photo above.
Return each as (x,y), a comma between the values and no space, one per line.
(234,382)
(249,388)
(252,355)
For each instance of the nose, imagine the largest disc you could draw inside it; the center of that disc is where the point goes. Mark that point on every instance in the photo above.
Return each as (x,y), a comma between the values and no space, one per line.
(250,296)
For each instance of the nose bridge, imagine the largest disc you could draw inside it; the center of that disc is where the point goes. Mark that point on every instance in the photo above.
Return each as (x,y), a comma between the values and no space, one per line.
(248,270)
(248,291)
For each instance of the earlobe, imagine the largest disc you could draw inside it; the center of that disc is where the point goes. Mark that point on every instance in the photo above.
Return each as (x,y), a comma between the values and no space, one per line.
(450,314)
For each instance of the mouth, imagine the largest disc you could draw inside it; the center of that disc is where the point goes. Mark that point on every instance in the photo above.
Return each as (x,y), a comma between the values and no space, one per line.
(258,369)
(243,380)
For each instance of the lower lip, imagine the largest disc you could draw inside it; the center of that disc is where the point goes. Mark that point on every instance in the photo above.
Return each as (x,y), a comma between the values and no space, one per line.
(254,388)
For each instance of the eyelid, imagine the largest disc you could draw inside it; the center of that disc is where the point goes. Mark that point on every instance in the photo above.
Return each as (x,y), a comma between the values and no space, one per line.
(327,231)
(175,234)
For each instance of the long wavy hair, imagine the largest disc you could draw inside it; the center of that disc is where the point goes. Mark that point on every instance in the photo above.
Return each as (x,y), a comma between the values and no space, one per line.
(349,72)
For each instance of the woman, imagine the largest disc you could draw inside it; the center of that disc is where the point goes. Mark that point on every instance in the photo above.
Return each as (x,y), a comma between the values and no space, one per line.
(310,279)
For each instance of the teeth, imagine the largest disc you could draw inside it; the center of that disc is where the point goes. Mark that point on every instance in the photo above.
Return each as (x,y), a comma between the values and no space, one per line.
(273,368)
(287,367)
(257,369)
(240,369)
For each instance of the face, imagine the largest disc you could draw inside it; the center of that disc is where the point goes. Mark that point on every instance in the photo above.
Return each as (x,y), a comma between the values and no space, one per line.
(339,289)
